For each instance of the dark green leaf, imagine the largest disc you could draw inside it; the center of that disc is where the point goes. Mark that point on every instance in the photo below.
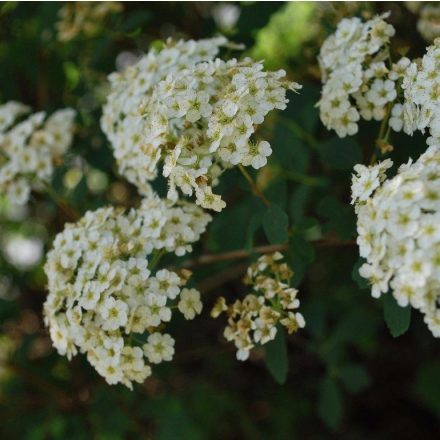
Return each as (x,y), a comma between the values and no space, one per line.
(315,316)
(355,377)
(275,225)
(330,404)
(397,318)
(340,154)
(289,150)
(254,224)
(277,192)
(297,203)
(303,109)
(301,247)
(341,218)
(428,385)
(276,357)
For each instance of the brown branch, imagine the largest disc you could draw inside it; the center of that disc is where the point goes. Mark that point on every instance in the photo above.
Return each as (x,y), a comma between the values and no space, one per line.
(218,279)
(233,255)
(266,249)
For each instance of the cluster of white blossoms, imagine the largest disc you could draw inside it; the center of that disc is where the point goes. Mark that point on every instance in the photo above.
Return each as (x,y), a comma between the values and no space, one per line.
(104,288)
(254,320)
(361,82)
(122,121)
(30,147)
(193,112)
(356,80)
(420,106)
(84,18)
(428,23)
(398,222)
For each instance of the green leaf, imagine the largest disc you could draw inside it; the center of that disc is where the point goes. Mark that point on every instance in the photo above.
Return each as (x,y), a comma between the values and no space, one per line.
(289,151)
(428,385)
(275,225)
(175,423)
(72,74)
(277,192)
(341,218)
(397,318)
(276,357)
(315,315)
(298,245)
(340,154)
(298,203)
(254,224)
(302,107)
(330,404)
(355,377)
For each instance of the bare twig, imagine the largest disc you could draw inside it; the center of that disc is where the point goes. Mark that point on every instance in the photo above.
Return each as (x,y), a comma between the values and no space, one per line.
(68,211)
(233,255)
(267,249)
(218,279)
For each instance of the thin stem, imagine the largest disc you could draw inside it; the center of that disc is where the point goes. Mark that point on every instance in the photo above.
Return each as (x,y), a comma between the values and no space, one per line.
(70,213)
(304,179)
(253,185)
(384,132)
(300,132)
(156,258)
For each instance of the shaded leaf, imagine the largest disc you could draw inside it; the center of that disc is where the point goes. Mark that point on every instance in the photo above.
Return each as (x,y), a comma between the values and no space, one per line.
(340,154)
(276,357)
(355,377)
(428,385)
(341,218)
(275,224)
(397,318)
(297,203)
(330,404)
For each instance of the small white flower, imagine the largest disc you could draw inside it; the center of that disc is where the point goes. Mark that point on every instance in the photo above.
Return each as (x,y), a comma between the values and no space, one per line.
(190,304)
(159,348)
(256,155)
(114,313)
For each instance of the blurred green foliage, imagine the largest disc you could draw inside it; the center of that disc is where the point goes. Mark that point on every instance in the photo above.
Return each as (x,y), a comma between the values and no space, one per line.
(342,377)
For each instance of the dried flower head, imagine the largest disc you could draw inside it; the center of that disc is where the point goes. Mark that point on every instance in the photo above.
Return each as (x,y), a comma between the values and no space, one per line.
(255,319)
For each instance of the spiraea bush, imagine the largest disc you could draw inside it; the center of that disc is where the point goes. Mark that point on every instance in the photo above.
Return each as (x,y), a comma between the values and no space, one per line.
(189,185)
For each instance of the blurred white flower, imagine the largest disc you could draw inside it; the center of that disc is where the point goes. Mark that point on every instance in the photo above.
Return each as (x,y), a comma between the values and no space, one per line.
(225,15)
(22,252)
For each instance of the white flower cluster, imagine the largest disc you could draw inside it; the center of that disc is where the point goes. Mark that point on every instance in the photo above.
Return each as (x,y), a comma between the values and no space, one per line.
(420,108)
(104,288)
(254,320)
(29,148)
(398,224)
(428,23)
(121,120)
(195,113)
(84,19)
(355,77)
(361,82)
